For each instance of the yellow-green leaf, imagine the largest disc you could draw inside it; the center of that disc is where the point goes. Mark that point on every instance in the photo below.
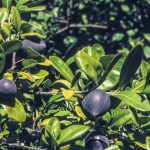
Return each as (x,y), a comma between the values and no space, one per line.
(28,76)
(16,18)
(16,112)
(68,94)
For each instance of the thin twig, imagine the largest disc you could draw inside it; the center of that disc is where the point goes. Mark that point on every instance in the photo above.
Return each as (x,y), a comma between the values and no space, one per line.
(62,30)
(53,93)
(14,60)
(88,26)
(95,26)
(18,146)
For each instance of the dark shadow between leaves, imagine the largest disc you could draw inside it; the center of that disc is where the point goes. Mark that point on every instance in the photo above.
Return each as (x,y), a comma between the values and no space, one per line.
(9,101)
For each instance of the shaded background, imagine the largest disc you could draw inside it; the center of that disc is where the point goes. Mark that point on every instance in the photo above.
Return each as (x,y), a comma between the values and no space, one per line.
(72,24)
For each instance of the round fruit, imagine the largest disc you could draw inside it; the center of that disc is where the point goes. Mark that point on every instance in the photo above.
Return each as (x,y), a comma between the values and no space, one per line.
(8,88)
(35,43)
(95,141)
(95,145)
(96,103)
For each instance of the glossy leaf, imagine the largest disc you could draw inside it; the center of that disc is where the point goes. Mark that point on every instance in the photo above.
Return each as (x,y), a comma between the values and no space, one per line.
(26,75)
(139,87)
(6,29)
(17,112)
(72,132)
(148,142)
(68,93)
(62,68)
(120,117)
(113,147)
(96,51)
(113,77)
(92,68)
(3,15)
(87,69)
(131,64)
(16,18)
(33,34)
(7,3)
(11,46)
(36,8)
(2,59)
(93,62)
(53,127)
(29,63)
(21,2)
(80,112)
(147,36)
(133,99)
(109,68)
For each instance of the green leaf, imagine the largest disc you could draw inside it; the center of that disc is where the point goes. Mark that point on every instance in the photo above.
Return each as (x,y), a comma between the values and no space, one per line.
(148,142)
(2,59)
(93,62)
(7,3)
(32,54)
(36,8)
(40,74)
(141,145)
(120,117)
(144,68)
(113,77)
(53,127)
(16,18)
(11,46)
(106,60)
(113,147)
(131,64)
(29,63)
(72,132)
(37,83)
(21,2)
(52,131)
(133,99)
(62,68)
(3,15)
(92,68)
(6,29)
(139,87)
(16,112)
(147,36)
(33,34)
(109,68)
(96,51)
(146,90)
(87,69)
(3,133)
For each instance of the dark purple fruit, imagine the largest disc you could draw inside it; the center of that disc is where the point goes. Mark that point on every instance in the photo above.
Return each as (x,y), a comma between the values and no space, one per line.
(96,103)
(35,43)
(95,141)
(95,145)
(8,88)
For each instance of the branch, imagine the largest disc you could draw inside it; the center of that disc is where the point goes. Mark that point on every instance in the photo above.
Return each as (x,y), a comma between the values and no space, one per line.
(17,146)
(88,26)
(53,93)
(14,60)
(95,26)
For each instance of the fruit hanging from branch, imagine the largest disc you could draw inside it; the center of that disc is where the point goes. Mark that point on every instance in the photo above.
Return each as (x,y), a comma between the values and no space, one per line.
(96,103)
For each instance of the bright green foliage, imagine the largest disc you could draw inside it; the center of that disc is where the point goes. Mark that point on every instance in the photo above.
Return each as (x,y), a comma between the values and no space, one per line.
(46,112)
